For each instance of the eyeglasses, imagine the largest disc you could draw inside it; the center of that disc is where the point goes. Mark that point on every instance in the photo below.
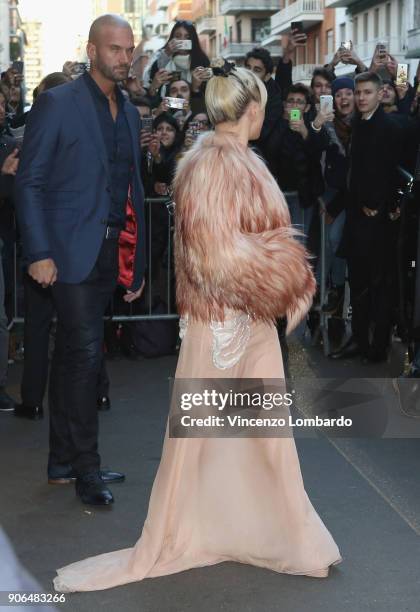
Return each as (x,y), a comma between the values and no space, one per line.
(295,102)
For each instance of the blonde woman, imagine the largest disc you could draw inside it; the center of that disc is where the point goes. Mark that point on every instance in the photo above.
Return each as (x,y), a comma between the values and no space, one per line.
(239,268)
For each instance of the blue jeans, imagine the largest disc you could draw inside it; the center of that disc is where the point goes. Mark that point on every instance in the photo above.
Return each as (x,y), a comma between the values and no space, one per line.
(300,217)
(334,266)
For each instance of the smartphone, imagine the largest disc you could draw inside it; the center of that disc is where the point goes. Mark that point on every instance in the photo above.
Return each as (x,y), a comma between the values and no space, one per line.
(184,45)
(194,127)
(297,27)
(178,103)
(381,49)
(79,68)
(147,124)
(176,75)
(348,45)
(402,74)
(17,67)
(295,114)
(326,104)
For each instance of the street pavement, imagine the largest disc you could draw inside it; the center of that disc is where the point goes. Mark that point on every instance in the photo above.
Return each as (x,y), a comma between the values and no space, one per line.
(367,491)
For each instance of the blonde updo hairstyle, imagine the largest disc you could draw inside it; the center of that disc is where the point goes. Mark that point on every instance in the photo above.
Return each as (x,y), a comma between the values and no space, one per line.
(227,97)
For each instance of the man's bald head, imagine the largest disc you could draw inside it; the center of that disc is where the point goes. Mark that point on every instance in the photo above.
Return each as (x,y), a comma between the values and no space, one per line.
(105,21)
(110,47)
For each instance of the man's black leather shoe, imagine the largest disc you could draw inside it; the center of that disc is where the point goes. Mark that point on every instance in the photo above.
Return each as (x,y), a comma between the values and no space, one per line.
(92,490)
(64,474)
(349,350)
(104,403)
(29,412)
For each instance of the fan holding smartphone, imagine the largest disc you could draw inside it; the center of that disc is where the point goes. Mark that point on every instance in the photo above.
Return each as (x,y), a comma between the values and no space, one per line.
(182,53)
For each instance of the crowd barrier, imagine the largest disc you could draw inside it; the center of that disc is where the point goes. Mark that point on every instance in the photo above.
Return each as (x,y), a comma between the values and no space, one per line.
(168,204)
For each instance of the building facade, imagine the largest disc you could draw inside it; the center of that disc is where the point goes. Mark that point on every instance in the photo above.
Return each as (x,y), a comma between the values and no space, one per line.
(394,23)
(34,69)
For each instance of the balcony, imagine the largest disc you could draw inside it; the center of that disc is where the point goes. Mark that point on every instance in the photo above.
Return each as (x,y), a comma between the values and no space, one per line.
(309,12)
(206,25)
(413,43)
(236,7)
(339,3)
(237,51)
(302,73)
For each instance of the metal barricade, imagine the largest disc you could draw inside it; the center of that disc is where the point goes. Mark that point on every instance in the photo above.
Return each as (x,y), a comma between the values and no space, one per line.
(147,297)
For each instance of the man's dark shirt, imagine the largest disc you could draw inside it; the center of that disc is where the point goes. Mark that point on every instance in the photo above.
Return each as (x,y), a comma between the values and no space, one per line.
(117,139)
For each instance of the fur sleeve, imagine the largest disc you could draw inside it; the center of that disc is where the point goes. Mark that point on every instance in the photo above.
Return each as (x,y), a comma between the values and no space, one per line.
(234,245)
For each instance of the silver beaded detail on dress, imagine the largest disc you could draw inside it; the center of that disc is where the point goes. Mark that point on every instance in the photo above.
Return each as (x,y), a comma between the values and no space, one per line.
(230,338)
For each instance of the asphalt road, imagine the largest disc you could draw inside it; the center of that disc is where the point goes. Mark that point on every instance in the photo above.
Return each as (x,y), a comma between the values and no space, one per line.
(366,490)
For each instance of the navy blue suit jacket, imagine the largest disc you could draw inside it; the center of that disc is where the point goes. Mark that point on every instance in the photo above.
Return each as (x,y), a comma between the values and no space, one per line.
(62,187)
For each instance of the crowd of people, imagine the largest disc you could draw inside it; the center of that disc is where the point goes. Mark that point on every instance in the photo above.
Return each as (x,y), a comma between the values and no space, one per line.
(336,164)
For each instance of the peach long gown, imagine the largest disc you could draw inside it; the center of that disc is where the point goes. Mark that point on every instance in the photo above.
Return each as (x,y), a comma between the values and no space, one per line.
(220,499)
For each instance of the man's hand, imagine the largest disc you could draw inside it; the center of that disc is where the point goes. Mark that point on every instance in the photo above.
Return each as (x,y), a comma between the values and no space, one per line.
(349,56)
(322,118)
(163,107)
(402,90)
(369,212)
(199,76)
(11,163)
(391,65)
(395,215)
(299,127)
(43,272)
(130,296)
(293,40)
(161,77)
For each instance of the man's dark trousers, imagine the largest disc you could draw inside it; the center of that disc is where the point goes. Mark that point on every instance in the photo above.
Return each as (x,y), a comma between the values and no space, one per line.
(77,362)
(39,312)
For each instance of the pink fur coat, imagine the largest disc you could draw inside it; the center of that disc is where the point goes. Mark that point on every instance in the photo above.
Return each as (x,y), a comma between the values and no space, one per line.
(234,246)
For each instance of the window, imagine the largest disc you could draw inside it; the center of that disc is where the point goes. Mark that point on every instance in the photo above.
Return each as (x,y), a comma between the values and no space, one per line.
(316,50)
(376,24)
(239,31)
(365,27)
(342,33)
(330,41)
(129,6)
(257,27)
(230,34)
(355,30)
(220,43)
(388,19)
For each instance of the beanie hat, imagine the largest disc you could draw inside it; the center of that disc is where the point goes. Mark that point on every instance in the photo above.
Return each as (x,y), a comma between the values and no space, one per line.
(342,83)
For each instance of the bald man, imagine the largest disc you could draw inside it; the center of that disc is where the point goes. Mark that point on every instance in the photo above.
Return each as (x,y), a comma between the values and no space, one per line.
(78,178)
